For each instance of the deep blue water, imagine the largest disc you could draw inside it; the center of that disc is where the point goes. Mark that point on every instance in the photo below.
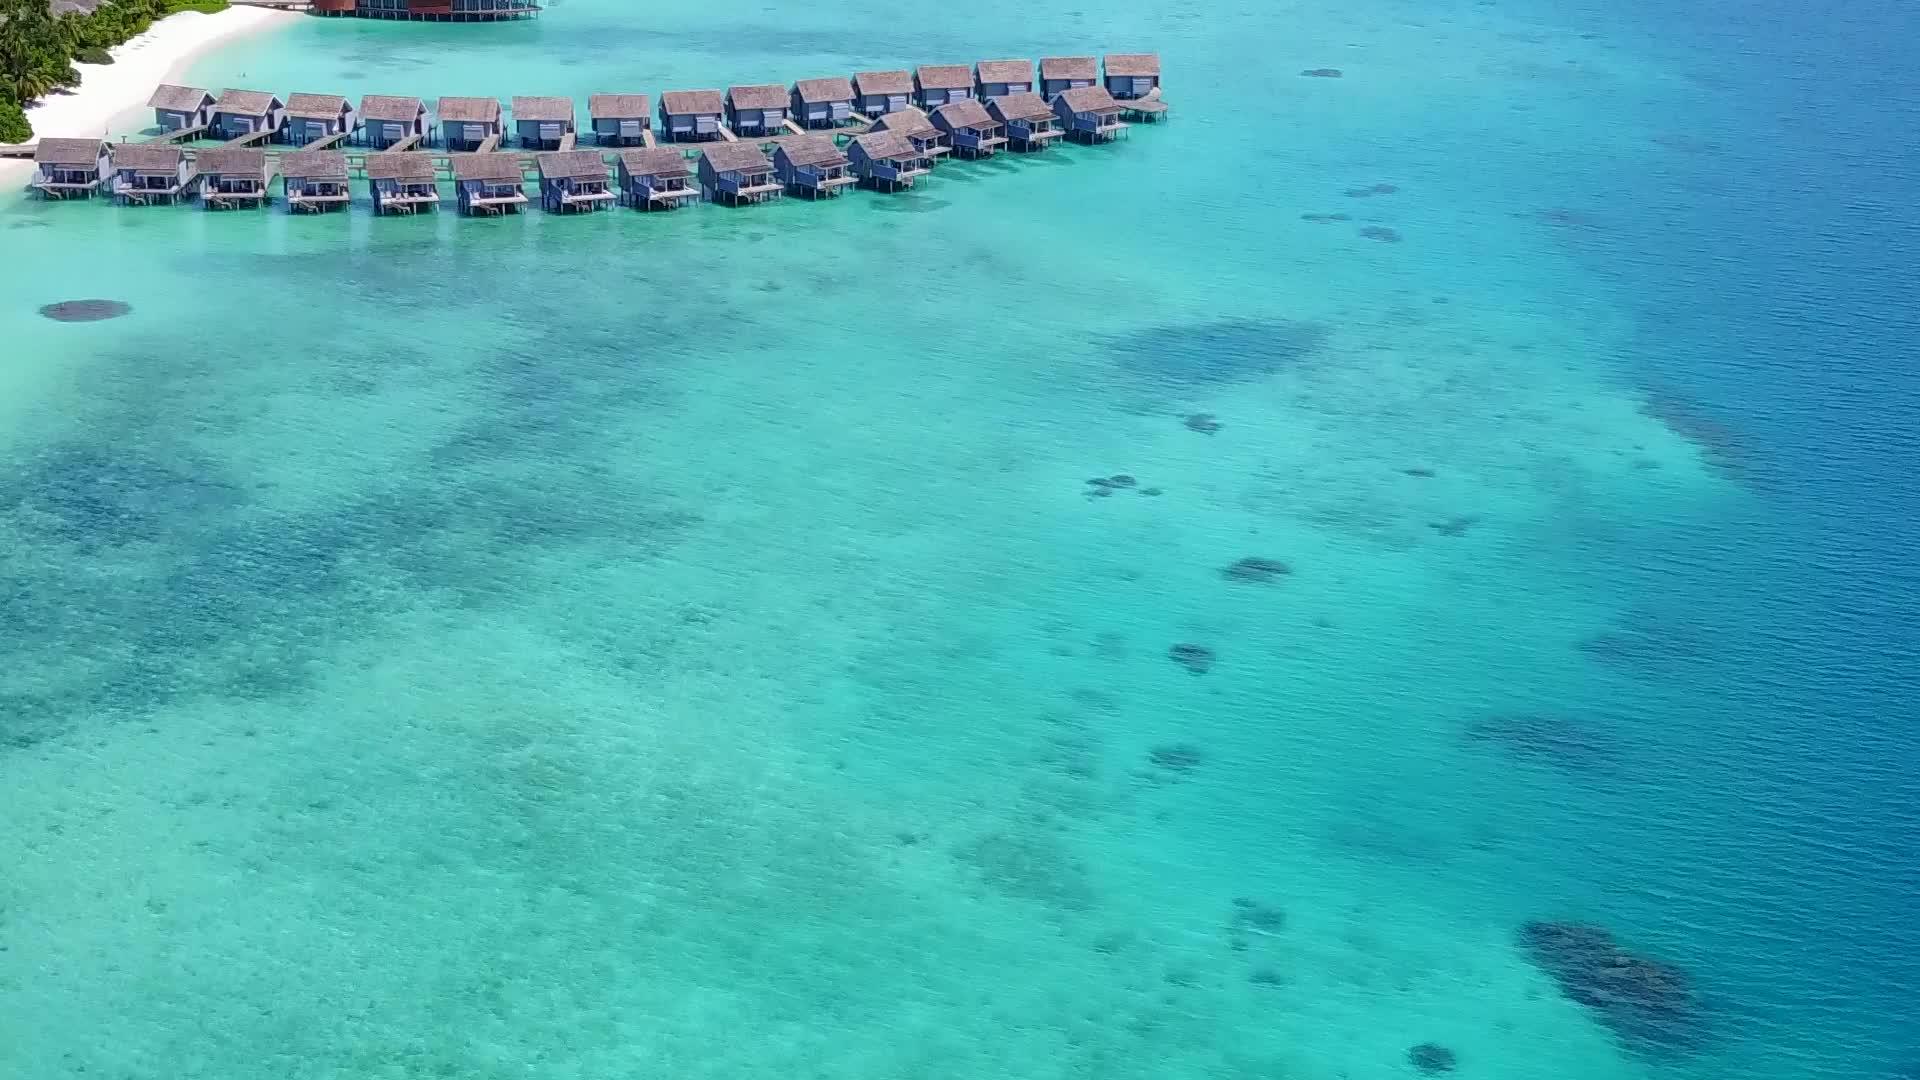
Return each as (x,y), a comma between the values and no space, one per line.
(1770,267)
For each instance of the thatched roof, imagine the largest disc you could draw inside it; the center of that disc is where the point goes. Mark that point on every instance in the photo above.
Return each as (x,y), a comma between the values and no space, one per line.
(178,98)
(1006,71)
(1090,99)
(761,96)
(886,145)
(68,151)
(1068,67)
(823,91)
(407,165)
(735,157)
(468,110)
(494,166)
(963,114)
(246,102)
(907,121)
(147,157)
(1023,106)
(543,109)
(619,106)
(811,150)
(1128,65)
(403,110)
(654,161)
(242,161)
(943,76)
(574,164)
(693,102)
(880,83)
(315,165)
(316,106)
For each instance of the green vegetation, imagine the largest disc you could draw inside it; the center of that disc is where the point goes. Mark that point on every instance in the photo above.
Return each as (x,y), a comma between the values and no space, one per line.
(37,49)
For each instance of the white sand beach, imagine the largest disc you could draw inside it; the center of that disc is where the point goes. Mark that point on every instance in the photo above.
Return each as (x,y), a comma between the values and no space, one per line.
(111,99)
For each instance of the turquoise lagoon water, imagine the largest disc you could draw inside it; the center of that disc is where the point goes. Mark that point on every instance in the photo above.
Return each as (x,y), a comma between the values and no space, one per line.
(688,645)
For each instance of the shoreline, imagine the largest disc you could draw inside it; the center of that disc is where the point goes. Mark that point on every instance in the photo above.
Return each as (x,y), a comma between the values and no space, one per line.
(111,98)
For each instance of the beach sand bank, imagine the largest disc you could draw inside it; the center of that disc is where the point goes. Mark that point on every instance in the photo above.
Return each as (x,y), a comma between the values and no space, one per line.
(111,98)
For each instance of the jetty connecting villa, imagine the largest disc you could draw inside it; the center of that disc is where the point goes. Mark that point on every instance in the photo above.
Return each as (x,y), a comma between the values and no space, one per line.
(883,130)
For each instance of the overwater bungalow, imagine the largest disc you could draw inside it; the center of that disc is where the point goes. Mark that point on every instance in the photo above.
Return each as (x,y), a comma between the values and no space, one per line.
(402,183)
(385,120)
(822,103)
(70,168)
(1089,114)
(541,123)
(935,85)
(880,92)
(969,129)
(429,10)
(178,108)
(240,113)
(1059,74)
(917,129)
(886,160)
(149,172)
(312,117)
(573,180)
(998,78)
(692,115)
(654,179)
(754,111)
(233,176)
(737,173)
(811,165)
(1132,75)
(315,181)
(1028,121)
(620,119)
(466,123)
(488,183)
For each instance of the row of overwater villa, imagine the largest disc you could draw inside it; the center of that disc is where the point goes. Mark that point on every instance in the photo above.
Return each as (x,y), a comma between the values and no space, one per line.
(748,144)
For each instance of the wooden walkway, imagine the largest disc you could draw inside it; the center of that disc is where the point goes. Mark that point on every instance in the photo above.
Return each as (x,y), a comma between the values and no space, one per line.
(488,145)
(180,135)
(250,138)
(329,142)
(20,150)
(567,141)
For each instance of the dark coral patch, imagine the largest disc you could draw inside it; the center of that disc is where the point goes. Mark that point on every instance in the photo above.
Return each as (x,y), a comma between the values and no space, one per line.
(1256,569)
(1371,190)
(1321,73)
(1322,219)
(1431,1059)
(1197,659)
(1226,350)
(1204,423)
(1381,233)
(1176,757)
(1648,1004)
(86,310)
(1560,741)
(1719,444)
(1455,526)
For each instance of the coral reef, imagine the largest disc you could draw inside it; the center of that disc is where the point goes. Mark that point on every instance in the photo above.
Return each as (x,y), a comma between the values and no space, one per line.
(1431,1059)
(1644,1002)
(1204,423)
(1455,526)
(1256,569)
(1321,73)
(86,310)
(1176,757)
(1381,233)
(1322,219)
(1418,471)
(1220,351)
(1371,190)
(1197,659)
(1556,740)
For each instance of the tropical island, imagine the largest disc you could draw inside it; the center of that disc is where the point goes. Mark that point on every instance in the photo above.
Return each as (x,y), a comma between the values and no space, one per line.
(41,40)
